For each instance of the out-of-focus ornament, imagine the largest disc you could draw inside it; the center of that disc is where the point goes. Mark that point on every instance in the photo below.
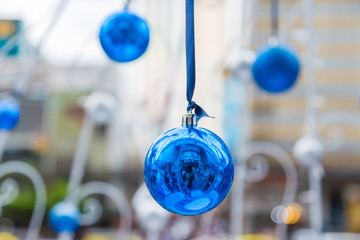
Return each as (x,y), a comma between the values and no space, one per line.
(149,214)
(189,169)
(100,107)
(40,144)
(64,217)
(309,151)
(239,63)
(95,236)
(276,68)
(183,228)
(124,36)
(255,237)
(7,236)
(9,114)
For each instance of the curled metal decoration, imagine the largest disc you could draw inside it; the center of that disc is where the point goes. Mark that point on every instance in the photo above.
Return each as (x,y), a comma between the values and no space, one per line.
(333,120)
(257,169)
(106,189)
(9,191)
(92,211)
(271,149)
(17,167)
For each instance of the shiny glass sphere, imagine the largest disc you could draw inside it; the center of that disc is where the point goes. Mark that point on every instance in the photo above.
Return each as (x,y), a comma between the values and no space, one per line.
(124,36)
(9,114)
(189,170)
(276,68)
(64,217)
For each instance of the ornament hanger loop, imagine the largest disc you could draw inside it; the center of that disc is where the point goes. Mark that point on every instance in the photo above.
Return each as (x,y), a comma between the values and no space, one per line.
(191,106)
(9,95)
(127,4)
(274,18)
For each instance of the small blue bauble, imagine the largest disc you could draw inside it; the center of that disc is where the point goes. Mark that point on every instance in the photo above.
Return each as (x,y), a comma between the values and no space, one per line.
(64,217)
(189,170)
(9,114)
(124,36)
(276,68)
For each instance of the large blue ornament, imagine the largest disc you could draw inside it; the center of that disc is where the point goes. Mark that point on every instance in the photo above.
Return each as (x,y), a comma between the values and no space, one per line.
(124,36)
(189,170)
(64,217)
(276,68)
(9,114)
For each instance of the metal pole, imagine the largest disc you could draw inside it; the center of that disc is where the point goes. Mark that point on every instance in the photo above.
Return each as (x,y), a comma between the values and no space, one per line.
(79,161)
(310,90)
(238,30)
(4,136)
(40,193)
(316,213)
(315,176)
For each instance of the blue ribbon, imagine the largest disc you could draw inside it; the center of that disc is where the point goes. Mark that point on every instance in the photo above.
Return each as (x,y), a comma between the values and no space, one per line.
(190,61)
(274,18)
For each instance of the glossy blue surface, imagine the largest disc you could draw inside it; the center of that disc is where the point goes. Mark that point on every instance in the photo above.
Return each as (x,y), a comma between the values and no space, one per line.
(276,68)
(9,114)
(189,170)
(124,36)
(64,217)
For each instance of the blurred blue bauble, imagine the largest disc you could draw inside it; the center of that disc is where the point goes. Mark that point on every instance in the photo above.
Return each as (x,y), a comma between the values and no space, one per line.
(189,170)
(9,114)
(276,68)
(64,217)
(124,36)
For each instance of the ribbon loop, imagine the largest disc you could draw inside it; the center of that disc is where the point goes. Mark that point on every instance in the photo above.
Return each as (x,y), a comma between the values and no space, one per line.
(200,113)
(191,106)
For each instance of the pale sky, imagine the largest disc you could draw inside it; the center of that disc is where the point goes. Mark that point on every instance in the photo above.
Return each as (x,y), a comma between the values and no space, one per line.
(76,32)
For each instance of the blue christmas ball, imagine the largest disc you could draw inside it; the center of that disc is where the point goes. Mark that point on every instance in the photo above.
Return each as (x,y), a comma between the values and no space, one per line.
(276,68)
(9,114)
(124,36)
(64,217)
(189,170)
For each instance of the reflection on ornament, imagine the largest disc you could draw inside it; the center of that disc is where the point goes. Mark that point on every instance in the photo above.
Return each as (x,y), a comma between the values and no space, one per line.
(9,114)
(124,36)
(64,217)
(189,170)
(276,68)
(309,151)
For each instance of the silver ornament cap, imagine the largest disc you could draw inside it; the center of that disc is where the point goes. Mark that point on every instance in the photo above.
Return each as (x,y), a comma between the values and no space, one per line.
(188,120)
